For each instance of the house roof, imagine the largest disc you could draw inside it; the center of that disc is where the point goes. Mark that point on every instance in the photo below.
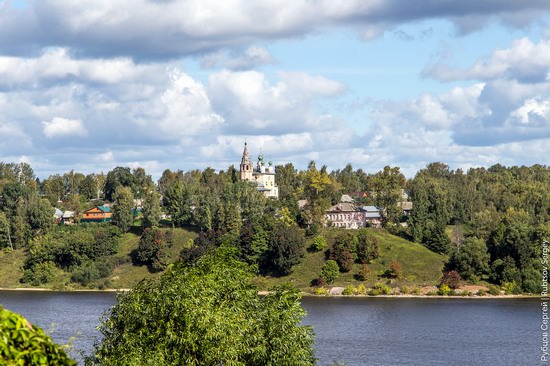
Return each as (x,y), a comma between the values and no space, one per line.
(370,209)
(58,212)
(372,215)
(104,208)
(68,214)
(343,207)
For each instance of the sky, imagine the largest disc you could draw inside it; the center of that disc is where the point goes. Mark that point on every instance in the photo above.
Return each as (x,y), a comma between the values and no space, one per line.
(174,84)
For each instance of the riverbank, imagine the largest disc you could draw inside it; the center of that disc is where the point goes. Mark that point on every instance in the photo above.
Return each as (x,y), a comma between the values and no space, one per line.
(308,294)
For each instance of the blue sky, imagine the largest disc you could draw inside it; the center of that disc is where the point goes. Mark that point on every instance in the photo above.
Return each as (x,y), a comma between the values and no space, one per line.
(181,84)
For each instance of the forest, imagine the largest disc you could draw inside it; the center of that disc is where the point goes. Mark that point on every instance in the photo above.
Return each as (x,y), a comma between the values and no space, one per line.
(490,223)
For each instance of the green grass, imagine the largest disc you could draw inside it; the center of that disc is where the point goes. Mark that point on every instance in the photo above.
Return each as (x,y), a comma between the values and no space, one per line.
(128,275)
(420,265)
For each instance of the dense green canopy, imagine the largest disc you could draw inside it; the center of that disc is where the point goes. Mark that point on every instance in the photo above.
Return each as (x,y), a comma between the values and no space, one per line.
(206,314)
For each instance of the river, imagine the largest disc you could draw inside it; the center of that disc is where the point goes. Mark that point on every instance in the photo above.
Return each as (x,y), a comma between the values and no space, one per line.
(356,331)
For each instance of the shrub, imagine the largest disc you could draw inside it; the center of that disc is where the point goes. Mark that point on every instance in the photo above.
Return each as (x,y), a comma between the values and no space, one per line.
(451,279)
(26,344)
(330,271)
(415,290)
(405,290)
(39,274)
(481,292)
(509,288)
(321,291)
(319,243)
(361,289)
(312,230)
(494,290)
(394,270)
(432,293)
(383,289)
(364,273)
(349,290)
(444,290)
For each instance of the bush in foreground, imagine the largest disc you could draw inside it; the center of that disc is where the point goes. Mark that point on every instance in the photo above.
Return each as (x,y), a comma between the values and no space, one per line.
(25,344)
(205,314)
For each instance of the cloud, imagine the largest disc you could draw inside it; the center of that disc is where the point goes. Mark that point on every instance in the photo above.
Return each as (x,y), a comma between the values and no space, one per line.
(252,57)
(61,127)
(251,103)
(124,28)
(524,61)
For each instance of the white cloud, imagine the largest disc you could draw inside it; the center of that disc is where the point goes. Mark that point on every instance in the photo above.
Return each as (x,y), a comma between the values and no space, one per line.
(524,61)
(125,27)
(61,127)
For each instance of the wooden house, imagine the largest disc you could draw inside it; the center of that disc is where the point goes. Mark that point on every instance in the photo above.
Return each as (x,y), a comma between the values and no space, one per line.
(97,214)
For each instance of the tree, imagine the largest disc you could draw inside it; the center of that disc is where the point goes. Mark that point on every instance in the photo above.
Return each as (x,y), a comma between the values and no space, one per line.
(26,344)
(206,314)
(119,176)
(343,250)
(123,213)
(151,208)
(367,246)
(472,260)
(5,231)
(286,249)
(151,249)
(330,271)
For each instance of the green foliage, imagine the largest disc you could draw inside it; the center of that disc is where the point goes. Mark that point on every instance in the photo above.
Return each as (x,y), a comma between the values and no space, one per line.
(472,260)
(26,344)
(343,251)
(321,291)
(286,249)
(151,249)
(319,243)
(361,289)
(349,290)
(123,210)
(380,289)
(330,271)
(207,314)
(151,209)
(39,274)
(444,290)
(494,290)
(367,246)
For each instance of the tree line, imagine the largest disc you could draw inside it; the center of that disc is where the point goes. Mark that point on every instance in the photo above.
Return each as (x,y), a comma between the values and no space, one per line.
(489,221)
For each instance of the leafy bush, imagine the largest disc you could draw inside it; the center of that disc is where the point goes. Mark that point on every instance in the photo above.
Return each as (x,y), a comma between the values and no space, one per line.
(481,292)
(319,243)
(509,288)
(206,314)
(381,289)
(394,271)
(349,290)
(39,274)
(26,344)
(494,290)
(312,230)
(364,273)
(444,290)
(415,290)
(361,289)
(321,291)
(451,279)
(405,290)
(151,249)
(330,271)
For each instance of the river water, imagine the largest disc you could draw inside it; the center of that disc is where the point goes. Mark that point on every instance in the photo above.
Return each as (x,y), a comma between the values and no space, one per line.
(356,331)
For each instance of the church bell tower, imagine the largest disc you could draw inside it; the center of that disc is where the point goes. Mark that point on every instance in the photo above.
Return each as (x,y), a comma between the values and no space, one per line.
(246,165)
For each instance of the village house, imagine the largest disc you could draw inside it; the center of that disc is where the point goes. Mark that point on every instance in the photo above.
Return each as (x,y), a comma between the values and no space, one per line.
(68,217)
(372,216)
(345,215)
(97,214)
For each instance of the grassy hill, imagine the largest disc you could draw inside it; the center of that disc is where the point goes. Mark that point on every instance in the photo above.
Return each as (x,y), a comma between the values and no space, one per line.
(420,265)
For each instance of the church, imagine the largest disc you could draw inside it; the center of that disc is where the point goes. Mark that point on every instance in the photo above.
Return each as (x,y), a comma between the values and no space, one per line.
(262,175)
